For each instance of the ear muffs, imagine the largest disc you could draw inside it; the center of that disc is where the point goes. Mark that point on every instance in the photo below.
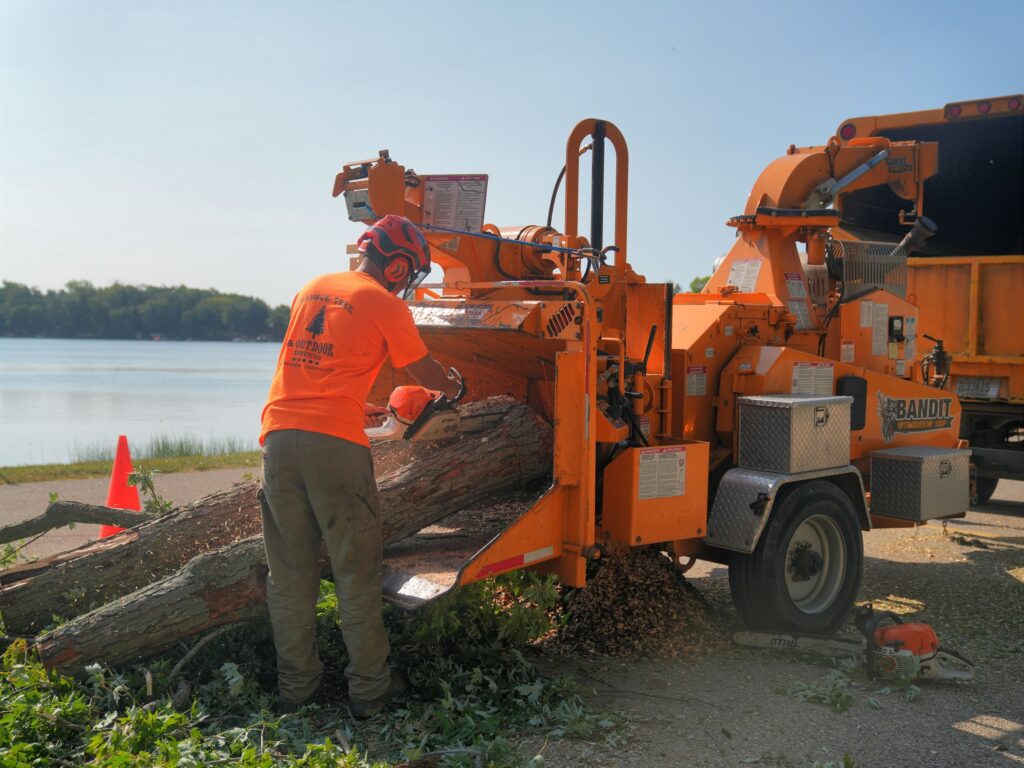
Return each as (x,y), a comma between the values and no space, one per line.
(397,270)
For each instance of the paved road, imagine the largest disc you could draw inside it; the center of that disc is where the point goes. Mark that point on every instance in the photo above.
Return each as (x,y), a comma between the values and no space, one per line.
(20,502)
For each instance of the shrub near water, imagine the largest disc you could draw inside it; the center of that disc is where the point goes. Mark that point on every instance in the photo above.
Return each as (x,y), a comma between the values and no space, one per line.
(476,696)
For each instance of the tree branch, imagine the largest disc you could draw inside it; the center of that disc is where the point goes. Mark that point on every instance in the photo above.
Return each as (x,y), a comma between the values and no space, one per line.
(61,513)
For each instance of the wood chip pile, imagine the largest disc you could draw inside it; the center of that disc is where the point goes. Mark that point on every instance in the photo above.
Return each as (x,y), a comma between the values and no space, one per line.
(637,605)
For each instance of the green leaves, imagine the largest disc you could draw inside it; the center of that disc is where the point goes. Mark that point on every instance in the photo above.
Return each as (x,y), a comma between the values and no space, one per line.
(831,690)
(144,479)
(475,696)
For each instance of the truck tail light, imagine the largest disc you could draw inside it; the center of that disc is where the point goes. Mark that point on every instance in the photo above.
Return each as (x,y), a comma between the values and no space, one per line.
(848,131)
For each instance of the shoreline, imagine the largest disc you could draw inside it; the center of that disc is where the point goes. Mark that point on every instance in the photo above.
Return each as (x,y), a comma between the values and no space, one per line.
(82,470)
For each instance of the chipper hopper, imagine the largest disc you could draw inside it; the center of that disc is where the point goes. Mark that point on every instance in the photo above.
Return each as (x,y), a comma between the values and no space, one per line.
(741,425)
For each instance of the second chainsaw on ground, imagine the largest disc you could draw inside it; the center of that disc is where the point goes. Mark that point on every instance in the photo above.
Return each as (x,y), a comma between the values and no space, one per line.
(890,649)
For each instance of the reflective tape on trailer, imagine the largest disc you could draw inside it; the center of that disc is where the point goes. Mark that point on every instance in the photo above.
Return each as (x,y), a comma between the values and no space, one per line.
(517,561)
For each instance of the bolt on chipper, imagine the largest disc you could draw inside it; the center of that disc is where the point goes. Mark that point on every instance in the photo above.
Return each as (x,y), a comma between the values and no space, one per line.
(744,424)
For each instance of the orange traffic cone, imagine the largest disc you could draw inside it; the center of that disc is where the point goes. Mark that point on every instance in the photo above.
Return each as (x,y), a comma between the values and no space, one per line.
(120,495)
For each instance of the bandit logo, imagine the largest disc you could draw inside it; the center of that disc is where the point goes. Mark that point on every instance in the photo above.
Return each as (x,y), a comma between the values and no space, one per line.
(918,414)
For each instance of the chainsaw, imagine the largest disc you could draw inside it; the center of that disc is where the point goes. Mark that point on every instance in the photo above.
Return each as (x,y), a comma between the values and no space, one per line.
(418,414)
(889,649)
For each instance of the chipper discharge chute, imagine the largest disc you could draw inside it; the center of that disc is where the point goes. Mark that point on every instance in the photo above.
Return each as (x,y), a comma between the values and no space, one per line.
(737,425)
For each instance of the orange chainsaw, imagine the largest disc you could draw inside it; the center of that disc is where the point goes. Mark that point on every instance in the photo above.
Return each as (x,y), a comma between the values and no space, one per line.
(418,414)
(890,649)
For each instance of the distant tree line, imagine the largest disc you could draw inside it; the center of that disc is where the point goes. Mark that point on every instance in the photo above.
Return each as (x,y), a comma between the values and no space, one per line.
(80,310)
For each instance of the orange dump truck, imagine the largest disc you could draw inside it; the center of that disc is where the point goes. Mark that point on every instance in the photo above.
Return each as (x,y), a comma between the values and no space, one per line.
(968,278)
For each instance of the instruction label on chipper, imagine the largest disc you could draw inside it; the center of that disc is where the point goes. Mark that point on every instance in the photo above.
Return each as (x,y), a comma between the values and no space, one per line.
(662,472)
(455,202)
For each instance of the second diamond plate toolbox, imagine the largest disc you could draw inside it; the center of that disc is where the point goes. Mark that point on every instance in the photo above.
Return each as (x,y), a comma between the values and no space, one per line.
(794,433)
(920,482)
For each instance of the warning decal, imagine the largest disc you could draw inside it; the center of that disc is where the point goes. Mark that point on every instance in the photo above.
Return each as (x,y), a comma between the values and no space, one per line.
(662,472)
(697,380)
(812,378)
(799,309)
(880,329)
(846,351)
(865,314)
(455,202)
(795,285)
(743,274)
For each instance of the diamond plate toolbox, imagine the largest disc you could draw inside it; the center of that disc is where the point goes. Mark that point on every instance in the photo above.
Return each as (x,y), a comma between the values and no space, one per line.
(920,482)
(794,433)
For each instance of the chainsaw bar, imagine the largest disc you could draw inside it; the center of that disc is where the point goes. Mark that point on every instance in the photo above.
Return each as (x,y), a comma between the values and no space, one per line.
(886,662)
(852,647)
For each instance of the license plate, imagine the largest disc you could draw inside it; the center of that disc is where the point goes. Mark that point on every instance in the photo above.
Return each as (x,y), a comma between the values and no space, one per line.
(977,387)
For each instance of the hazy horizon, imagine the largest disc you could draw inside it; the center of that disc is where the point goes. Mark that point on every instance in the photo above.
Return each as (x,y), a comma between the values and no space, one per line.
(196,144)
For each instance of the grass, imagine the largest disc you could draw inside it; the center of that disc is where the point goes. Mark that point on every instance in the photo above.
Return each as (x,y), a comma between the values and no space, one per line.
(165,446)
(101,467)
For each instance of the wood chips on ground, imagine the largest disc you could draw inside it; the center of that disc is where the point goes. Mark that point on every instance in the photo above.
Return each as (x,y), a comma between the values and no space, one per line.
(637,605)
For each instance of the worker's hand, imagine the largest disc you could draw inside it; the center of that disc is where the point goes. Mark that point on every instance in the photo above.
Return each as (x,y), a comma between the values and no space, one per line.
(373,415)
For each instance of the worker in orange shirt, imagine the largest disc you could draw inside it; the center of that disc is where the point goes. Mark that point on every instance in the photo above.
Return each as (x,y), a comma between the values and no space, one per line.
(318,480)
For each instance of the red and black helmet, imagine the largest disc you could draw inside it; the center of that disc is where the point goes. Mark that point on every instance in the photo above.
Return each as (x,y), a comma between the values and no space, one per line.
(401,251)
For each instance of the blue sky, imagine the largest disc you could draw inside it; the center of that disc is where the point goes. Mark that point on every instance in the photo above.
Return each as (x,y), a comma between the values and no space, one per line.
(196,142)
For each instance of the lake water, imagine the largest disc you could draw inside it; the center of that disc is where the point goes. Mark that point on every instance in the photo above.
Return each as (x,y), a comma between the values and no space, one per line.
(61,399)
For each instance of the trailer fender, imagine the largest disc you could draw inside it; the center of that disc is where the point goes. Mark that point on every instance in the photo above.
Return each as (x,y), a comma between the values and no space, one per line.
(745,498)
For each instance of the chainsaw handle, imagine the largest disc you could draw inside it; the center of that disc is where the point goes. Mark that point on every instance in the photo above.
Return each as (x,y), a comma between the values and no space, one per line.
(867,620)
(453,373)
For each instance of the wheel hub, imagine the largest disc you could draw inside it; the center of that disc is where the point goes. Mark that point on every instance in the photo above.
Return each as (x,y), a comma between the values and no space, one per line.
(815,564)
(806,563)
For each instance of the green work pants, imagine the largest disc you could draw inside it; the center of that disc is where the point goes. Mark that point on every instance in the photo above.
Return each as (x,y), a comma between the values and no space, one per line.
(315,487)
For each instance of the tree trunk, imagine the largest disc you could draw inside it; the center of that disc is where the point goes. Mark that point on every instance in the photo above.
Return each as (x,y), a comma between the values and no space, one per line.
(421,485)
(88,577)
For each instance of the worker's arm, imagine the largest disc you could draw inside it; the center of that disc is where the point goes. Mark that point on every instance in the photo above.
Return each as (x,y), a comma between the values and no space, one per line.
(428,373)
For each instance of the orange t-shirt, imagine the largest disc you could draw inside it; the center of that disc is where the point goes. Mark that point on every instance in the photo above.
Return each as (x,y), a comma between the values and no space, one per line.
(343,327)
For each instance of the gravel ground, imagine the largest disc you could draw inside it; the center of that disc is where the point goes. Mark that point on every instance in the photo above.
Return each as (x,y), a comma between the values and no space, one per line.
(730,708)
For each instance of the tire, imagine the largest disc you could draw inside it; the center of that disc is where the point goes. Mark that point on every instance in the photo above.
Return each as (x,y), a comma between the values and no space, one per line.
(985,487)
(804,573)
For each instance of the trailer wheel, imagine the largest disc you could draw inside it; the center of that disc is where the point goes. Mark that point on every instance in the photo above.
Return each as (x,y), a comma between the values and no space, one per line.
(805,571)
(985,487)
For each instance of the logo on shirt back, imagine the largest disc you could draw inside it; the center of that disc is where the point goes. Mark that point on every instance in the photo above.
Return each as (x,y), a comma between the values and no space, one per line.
(309,353)
(316,325)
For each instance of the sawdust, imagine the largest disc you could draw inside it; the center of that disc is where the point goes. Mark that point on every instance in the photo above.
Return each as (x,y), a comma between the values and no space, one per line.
(637,605)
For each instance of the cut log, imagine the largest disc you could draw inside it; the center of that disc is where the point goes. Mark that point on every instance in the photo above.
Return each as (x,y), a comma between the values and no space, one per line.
(103,570)
(421,485)
(215,588)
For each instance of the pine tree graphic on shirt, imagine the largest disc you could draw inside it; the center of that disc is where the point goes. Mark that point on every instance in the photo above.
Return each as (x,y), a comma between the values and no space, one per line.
(316,325)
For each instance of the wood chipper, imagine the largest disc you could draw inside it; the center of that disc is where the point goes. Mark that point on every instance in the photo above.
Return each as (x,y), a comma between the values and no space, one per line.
(741,425)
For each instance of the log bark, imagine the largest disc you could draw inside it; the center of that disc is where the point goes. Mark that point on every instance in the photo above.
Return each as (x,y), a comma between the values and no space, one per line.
(425,484)
(61,513)
(96,573)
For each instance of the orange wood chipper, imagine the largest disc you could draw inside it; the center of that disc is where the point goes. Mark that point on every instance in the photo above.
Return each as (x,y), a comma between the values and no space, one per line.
(741,425)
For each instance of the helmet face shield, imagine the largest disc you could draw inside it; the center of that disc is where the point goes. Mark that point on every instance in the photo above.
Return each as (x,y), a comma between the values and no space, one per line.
(410,290)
